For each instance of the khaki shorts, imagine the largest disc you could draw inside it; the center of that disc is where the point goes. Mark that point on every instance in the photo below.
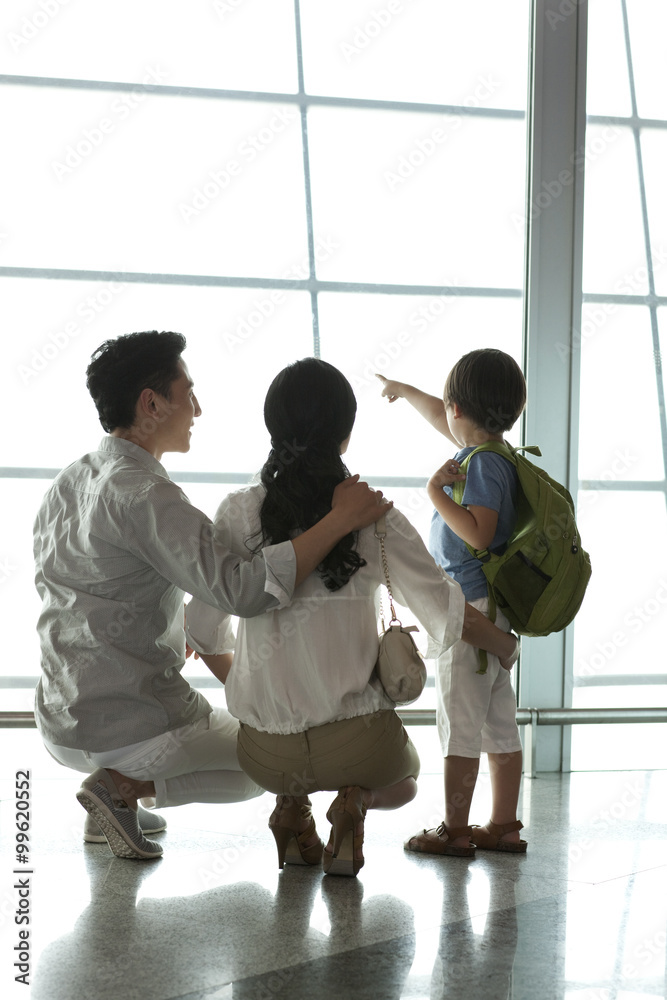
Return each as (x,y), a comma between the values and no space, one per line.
(372,751)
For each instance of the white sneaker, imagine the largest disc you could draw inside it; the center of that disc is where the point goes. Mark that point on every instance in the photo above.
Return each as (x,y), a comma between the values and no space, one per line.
(149,822)
(101,799)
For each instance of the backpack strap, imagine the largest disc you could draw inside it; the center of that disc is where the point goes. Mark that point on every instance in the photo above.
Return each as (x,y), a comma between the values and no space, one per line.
(508,452)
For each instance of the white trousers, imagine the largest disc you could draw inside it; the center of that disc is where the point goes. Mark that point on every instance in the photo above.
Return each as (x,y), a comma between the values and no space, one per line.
(196,763)
(475,713)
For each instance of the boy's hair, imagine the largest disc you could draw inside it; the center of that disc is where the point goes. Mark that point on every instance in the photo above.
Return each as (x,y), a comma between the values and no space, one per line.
(489,387)
(121,369)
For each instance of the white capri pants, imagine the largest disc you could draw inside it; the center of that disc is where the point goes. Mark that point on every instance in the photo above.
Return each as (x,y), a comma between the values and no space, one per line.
(196,763)
(475,713)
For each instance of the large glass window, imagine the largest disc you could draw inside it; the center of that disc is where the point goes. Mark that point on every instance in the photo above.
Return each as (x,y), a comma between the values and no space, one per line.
(623,431)
(274,179)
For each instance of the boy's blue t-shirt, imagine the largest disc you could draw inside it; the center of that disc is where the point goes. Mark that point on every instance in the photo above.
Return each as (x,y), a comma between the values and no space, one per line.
(491,481)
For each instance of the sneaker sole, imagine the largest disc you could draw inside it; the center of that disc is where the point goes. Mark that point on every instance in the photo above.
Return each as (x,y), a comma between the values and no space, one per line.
(115,835)
(92,838)
(96,838)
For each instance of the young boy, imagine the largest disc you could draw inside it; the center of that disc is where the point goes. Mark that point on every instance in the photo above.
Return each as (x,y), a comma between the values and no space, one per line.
(484,395)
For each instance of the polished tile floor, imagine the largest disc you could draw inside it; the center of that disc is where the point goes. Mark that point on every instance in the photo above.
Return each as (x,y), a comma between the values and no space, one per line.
(582,916)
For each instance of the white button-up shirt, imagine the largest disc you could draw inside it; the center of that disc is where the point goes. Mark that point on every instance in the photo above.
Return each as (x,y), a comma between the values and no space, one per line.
(117,545)
(312,662)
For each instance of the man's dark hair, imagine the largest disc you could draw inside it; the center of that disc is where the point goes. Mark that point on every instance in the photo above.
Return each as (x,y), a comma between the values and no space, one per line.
(489,387)
(121,369)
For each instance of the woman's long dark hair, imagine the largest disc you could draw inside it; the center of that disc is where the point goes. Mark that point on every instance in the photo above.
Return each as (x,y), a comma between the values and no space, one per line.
(309,411)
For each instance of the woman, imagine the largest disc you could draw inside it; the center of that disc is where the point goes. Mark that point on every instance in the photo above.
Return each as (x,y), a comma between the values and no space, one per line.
(313,715)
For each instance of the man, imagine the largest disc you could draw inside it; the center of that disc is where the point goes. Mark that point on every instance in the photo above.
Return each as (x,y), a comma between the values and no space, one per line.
(117,545)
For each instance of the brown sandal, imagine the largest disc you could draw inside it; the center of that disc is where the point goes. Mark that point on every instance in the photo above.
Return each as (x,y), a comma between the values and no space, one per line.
(346,813)
(284,824)
(438,841)
(489,837)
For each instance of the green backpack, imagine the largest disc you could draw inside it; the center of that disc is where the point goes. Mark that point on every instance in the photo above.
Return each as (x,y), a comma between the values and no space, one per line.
(539,578)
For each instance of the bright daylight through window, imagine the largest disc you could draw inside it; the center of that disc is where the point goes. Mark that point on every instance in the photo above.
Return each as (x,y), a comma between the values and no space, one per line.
(277,179)
(275,189)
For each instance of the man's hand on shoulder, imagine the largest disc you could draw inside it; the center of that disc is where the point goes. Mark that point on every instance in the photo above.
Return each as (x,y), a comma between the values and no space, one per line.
(357,504)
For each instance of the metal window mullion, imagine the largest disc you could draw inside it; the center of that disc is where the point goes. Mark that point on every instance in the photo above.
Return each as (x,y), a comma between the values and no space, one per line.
(627,121)
(655,334)
(651,300)
(556,122)
(287,284)
(269,97)
(303,109)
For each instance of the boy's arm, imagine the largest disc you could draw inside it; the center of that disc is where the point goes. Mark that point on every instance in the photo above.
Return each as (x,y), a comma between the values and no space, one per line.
(430,407)
(474,524)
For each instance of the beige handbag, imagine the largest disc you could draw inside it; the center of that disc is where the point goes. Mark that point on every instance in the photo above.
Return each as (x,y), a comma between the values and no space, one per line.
(400,666)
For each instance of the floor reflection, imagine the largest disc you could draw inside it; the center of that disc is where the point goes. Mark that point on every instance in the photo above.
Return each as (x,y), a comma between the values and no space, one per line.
(581,916)
(122,946)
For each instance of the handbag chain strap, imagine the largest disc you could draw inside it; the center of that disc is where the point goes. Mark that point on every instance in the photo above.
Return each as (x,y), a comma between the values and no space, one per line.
(380,533)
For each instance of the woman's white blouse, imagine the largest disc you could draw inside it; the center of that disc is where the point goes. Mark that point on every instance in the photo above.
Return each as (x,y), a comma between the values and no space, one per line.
(311,662)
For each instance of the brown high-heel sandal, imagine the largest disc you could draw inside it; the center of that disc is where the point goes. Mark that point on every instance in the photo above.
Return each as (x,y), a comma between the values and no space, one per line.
(439,841)
(489,837)
(283,823)
(345,814)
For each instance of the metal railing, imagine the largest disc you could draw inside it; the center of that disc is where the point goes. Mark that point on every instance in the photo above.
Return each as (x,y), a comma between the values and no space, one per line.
(531,718)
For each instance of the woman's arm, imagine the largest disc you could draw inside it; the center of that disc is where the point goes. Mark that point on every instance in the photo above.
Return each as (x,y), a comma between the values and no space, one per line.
(434,598)
(480,632)
(218,663)
(354,505)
